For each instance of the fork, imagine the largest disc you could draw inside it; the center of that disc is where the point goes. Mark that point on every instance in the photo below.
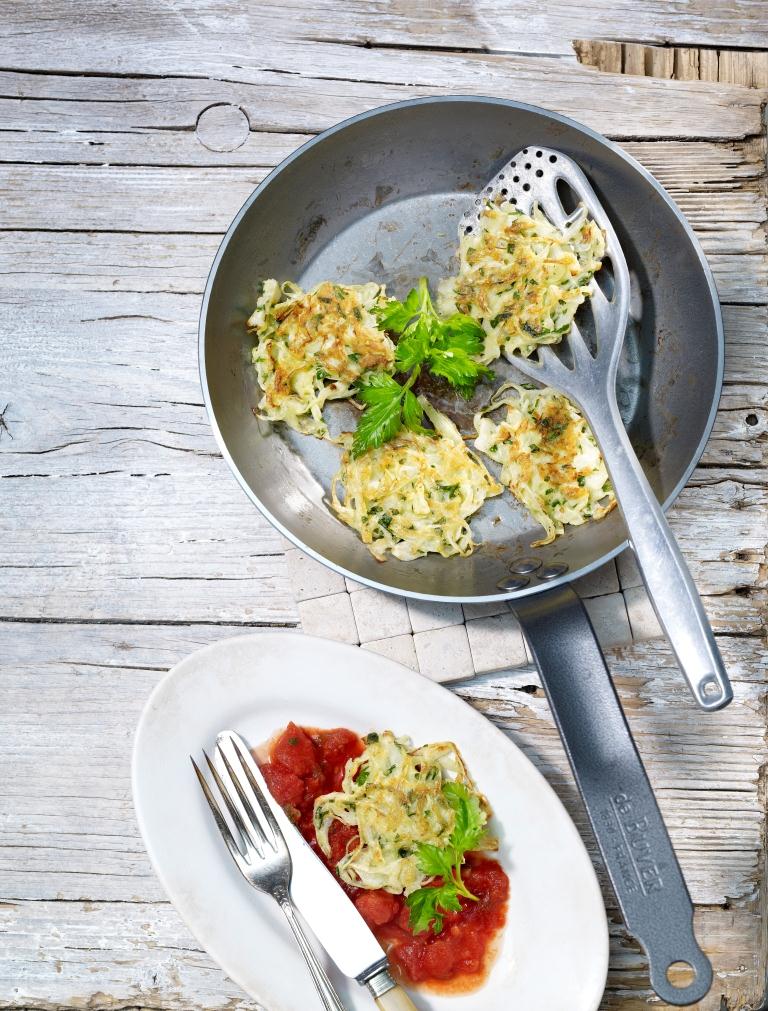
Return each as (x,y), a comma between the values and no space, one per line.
(262,856)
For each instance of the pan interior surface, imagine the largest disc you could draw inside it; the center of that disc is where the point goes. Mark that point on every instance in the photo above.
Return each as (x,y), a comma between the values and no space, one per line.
(380,199)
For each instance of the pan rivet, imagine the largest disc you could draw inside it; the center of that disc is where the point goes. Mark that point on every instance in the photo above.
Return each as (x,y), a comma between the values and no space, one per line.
(525,565)
(513,583)
(553,571)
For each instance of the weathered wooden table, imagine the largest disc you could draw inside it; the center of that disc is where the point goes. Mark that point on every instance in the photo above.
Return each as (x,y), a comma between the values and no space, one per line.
(130,135)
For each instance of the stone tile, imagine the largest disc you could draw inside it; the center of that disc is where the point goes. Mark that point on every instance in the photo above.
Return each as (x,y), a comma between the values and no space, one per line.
(426,616)
(495,643)
(379,615)
(352,585)
(443,653)
(642,619)
(484,610)
(330,617)
(601,581)
(309,578)
(609,617)
(629,574)
(398,647)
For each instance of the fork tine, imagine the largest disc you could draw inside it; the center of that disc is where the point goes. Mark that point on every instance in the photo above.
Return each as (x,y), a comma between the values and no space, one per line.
(256,787)
(218,817)
(234,814)
(245,800)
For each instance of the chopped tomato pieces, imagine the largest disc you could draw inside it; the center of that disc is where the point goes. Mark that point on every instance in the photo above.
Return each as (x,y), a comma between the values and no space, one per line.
(295,751)
(377,907)
(305,763)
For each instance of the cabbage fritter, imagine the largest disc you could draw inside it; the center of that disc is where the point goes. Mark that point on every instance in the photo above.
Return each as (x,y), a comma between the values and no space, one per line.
(522,278)
(550,459)
(312,346)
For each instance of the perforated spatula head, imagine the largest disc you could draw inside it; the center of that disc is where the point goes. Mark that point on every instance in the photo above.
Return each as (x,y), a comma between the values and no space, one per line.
(532,177)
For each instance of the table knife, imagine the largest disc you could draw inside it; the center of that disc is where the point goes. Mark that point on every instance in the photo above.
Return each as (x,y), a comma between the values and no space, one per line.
(324,905)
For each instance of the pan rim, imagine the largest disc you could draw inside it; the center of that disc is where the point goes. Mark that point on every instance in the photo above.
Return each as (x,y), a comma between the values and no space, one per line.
(568,576)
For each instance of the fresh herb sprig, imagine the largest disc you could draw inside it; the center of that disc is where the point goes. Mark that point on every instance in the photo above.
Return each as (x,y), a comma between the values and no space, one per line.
(388,407)
(443,346)
(429,905)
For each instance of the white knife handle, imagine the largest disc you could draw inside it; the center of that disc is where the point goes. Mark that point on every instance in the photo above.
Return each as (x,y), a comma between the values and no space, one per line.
(395,999)
(323,985)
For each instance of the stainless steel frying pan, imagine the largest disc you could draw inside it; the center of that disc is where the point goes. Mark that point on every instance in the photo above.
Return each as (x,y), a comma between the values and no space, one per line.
(380,197)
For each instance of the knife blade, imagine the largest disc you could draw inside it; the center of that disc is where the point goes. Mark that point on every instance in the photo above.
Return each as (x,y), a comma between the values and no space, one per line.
(322,902)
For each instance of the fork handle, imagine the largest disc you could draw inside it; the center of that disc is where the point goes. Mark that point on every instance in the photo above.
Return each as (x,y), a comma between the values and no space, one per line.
(329,997)
(670,587)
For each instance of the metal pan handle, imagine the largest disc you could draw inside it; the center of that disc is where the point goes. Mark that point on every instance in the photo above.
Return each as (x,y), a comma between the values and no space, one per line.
(622,808)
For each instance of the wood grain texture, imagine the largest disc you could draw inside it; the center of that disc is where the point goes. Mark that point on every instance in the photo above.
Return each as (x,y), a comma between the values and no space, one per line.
(126,543)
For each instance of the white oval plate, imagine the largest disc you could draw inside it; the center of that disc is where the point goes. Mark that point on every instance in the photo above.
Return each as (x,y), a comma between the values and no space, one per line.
(554,949)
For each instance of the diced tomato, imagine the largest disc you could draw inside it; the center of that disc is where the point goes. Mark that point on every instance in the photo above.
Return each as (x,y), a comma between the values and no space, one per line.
(284,786)
(340,836)
(377,907)
(295,751)
(306,763)
(337,746)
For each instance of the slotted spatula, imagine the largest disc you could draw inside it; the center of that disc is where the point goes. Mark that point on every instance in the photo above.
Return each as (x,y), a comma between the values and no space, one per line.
(532,176)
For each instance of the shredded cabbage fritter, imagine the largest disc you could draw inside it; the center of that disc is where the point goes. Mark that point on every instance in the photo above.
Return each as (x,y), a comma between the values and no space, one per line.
(393,794)
(550,459)
(522,278)
(312,346)
(414,494)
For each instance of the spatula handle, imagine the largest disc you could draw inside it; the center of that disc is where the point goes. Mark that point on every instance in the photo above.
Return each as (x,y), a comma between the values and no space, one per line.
(670,587)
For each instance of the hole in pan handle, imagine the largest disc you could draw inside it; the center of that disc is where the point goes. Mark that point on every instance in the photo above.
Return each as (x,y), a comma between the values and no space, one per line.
(620,802)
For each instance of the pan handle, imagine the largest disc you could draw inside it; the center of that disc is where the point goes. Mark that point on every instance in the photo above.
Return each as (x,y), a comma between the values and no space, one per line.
(622,808)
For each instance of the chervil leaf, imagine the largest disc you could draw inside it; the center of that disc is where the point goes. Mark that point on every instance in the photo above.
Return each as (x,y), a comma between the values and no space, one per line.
(458,368)
(413,346)
(381,420)
(434,861)
(413,412)
(425,905)
(395,316)
(460,331)
(469,824)
(377,387)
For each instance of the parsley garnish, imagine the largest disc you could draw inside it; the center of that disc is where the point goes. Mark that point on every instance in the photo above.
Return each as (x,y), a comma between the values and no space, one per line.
(428,905)
(444,346)
(388,407)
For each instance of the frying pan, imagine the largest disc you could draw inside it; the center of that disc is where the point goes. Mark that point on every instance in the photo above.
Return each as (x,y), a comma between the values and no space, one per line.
(379,197)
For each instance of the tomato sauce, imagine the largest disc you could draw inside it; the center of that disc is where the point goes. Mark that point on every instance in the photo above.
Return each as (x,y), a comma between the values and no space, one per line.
(305,763)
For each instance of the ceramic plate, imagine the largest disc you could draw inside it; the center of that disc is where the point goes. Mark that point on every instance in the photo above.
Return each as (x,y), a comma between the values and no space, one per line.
(554,949)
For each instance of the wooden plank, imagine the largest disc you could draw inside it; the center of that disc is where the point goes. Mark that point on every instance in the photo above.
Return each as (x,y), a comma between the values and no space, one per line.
(735,67)
(520,26)
(709,65)
(634,59)
(328,83)
(659,61)
(686,64)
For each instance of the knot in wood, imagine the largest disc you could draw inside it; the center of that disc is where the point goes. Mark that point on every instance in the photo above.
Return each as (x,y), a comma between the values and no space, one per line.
(222,127)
